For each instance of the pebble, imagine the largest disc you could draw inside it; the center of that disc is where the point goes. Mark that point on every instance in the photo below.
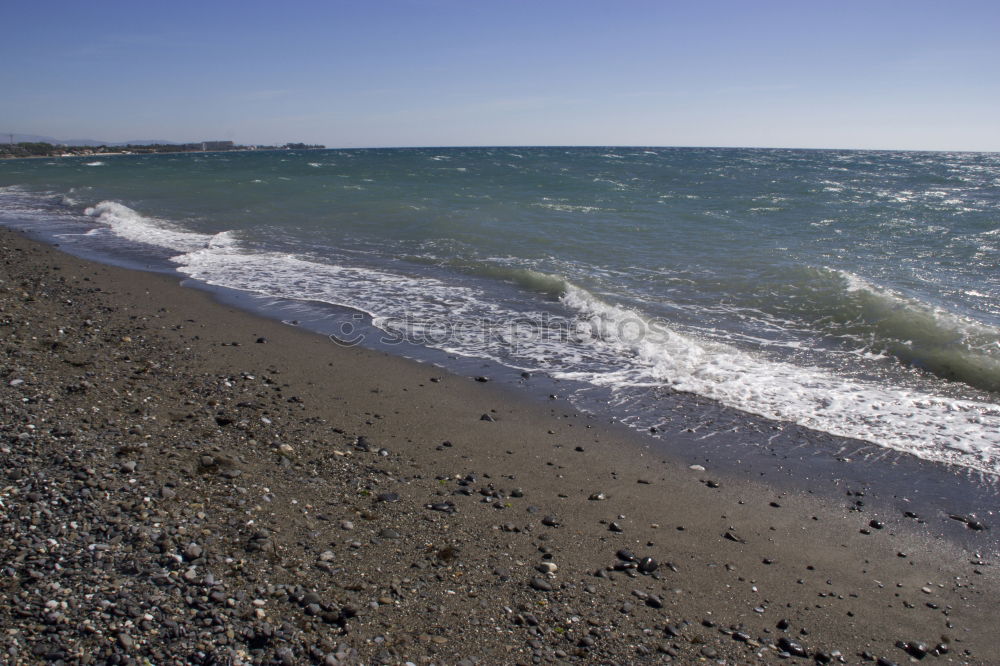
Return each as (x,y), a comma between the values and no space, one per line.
(541,584)
(648,565)
(626,555)
(791,647)
(917,649)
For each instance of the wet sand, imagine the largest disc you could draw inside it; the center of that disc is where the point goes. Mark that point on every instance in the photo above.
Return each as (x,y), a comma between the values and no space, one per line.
(188,483)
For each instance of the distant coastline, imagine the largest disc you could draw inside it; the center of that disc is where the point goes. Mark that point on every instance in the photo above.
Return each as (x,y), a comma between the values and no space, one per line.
(28,149)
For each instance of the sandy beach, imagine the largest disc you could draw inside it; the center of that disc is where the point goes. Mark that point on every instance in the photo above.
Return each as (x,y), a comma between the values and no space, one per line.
(184,482)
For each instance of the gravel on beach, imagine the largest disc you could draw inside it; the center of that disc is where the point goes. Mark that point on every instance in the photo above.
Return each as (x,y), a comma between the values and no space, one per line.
(184,483)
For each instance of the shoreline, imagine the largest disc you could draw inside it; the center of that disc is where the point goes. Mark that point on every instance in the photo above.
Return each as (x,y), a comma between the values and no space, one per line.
(785,455)
(164,152)
(224,479)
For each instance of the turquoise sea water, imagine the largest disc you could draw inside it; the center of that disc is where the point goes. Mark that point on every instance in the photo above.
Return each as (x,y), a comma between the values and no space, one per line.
(854,293)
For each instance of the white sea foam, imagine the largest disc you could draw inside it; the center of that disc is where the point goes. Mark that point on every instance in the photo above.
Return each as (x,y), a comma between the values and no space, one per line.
(627,350)
(93,164)
(960,432)
(133,226)
(568,208)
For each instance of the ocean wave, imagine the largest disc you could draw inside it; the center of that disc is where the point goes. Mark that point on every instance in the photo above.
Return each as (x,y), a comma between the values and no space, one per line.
(960,432)
(551,286)
(945,344)
(131,225)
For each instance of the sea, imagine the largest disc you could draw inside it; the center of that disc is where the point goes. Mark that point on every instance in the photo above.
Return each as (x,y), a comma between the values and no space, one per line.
(854,294)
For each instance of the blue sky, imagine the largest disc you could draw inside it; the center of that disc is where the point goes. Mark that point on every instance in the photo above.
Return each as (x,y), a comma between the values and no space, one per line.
(847,74)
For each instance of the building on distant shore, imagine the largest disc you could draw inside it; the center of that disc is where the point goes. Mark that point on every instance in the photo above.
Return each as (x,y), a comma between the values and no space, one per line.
(38,149)
(217,145)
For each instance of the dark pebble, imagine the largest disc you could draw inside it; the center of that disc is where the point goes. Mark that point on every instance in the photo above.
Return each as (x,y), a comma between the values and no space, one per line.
(791,647)
(626,555)
(914,648)
(541,585)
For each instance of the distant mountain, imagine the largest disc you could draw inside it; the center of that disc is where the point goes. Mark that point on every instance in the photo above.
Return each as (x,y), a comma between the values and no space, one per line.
(77,142)
(23,138)
(19,138)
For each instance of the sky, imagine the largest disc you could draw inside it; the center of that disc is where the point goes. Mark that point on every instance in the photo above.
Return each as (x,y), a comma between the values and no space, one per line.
(871,74)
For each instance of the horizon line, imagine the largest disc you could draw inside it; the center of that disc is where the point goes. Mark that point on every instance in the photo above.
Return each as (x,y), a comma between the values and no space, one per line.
(525,146)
